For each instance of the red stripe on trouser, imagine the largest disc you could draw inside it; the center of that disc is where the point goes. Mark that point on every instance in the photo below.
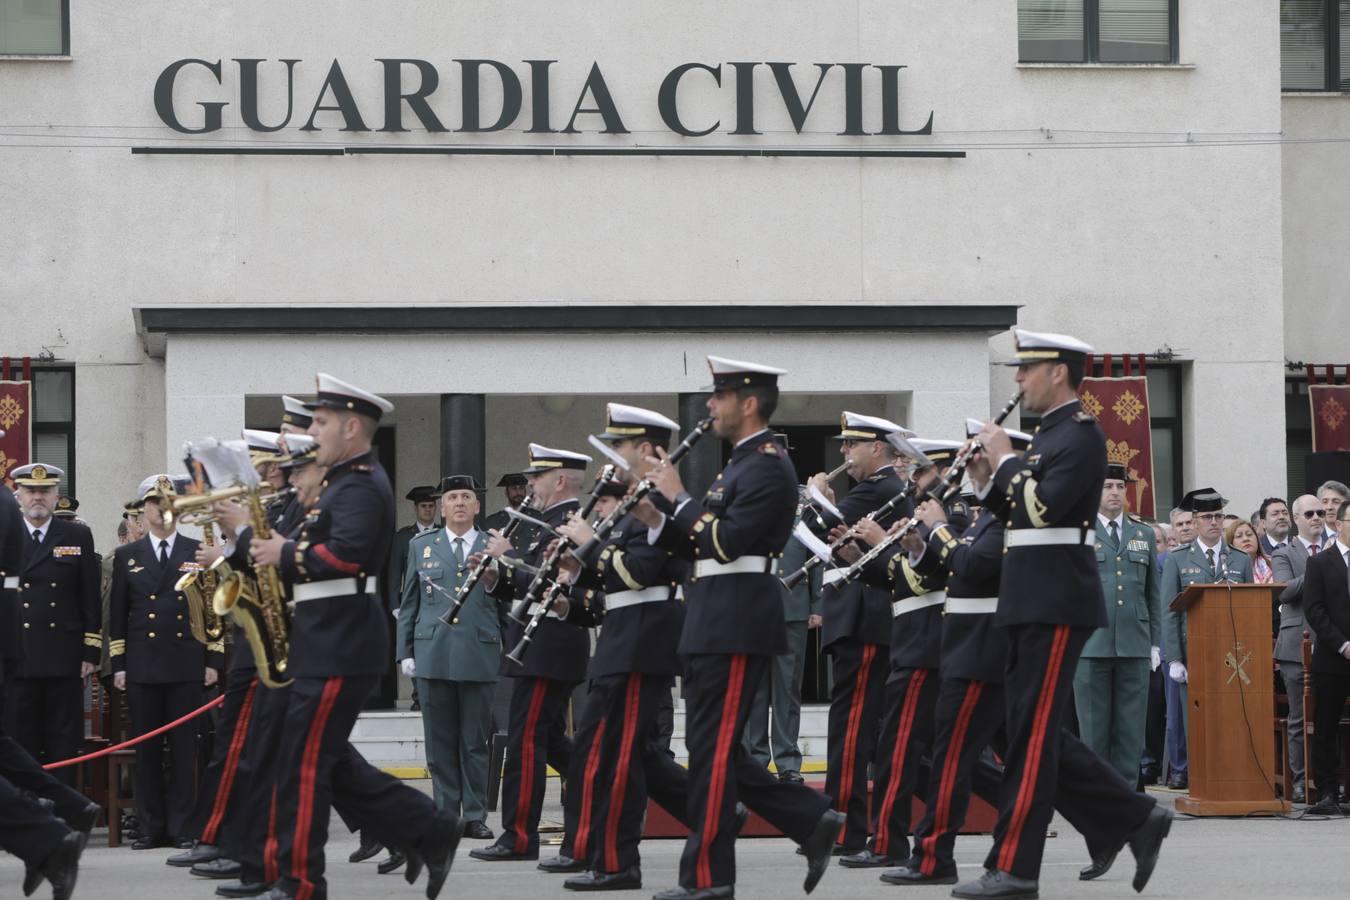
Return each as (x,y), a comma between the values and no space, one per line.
(527,765)
(942,814)
(1035,748)
(855,713)
(231,765)
(579,845)
(630,717)
(309,769)
(908,713)
(271,870)
(721,757)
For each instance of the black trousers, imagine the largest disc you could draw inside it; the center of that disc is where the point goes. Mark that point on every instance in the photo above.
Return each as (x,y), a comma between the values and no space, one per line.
(856,700)
(536,739)
(249,820)
(47,719)
(719,691)
(1329,693)
(906,739)
(1046,767)
(164,807)
(217,788)
(317,767)
(618,762)
(1155,722)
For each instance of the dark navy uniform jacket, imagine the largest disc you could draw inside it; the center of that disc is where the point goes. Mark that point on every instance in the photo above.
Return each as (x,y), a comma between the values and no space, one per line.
(859,610)
(59,603)
(748,511)
(11,559)
(345,534)
(638,638)
(1058,484)
(973,647)
(148,631)
(558,651)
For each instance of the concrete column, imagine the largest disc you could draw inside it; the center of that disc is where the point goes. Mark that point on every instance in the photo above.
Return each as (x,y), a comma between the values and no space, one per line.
(463,445)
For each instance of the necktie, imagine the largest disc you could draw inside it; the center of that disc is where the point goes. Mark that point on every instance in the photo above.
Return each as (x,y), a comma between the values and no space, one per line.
(163,552)
(1209,555)
(459,552)
(1115,533)
(37,536)
(1312,549)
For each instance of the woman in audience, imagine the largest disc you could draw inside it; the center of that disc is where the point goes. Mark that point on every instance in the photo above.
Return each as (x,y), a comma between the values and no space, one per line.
(1240,535)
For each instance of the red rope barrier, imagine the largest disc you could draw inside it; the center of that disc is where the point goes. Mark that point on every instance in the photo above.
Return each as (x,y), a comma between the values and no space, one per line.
(136,740)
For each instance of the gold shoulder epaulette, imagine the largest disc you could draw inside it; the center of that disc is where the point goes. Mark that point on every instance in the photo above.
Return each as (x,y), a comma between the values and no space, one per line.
(1082,416)
(769,448)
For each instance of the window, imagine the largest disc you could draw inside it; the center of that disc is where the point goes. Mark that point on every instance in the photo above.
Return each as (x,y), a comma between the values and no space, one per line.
(1315,45)
(1092,31)
(35,27)
(54,420)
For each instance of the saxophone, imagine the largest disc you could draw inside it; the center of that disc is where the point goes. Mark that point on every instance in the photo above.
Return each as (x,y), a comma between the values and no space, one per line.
(199,588)
(257,603)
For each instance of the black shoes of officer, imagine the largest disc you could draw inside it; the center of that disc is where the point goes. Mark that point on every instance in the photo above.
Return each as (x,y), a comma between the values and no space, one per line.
(866,859)
(1101,864)
(1178,781)
(791,776)
(1000,885)
(242,888)
(1326,806)
(395,862)
(1149,775)
(438,854)
(150,843)
(722,892)
(86,819)
(499,853)
(560,864)
(220,867)
(369,847)
(61,868)
(818,846)
(1146,842)
(200,853)
(907,875)
(627,880)
(478,830)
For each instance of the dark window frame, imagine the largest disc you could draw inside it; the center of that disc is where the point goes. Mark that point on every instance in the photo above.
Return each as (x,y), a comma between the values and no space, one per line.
(65,36)
(1092,40)
(66,428)
(1331,30)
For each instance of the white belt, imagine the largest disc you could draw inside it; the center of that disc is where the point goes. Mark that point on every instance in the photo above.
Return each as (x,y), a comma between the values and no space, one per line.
(971,605)
(11,583)
(319,590)
(534,608)
(655,594)
(1049,537)
(923,601)
(831,576)
(746,565)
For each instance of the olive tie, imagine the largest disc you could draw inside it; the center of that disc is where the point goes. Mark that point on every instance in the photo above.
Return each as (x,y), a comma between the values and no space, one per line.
(459,552)
(1115,533)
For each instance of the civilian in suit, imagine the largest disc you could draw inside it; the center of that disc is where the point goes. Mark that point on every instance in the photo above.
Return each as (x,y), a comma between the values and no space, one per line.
(1206,560)
(1276,528)
(781,692)
(160,665)
(1326,603)
(1332,495)
(1288,564)
(455,665)
(58,600)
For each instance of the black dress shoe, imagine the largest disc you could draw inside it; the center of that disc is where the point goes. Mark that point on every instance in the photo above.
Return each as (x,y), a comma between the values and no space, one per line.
(1101,864)
(86,819)
(498,853)
(1146,842)
(149,843)
(62,867)
(627,880)
(395,862)
(1298,795)
(369,847)
(560,865)
(478,830)
(275,892)
(996,884)
(439,854)
(721,892)
(200,853)
(415,706)
(1149,775)
(906,875)
(791,776)
(241,888)
(817,847)
(1178,781)
(1326,806)
(220,867)
(866,859)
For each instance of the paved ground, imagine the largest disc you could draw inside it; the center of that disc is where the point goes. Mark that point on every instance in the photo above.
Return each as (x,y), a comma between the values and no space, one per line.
(1268,858)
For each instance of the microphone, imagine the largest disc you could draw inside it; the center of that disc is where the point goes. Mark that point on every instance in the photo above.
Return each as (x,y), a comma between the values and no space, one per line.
(1223,564)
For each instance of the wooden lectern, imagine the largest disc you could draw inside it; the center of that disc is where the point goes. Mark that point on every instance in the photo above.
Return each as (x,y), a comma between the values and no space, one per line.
(1231,702)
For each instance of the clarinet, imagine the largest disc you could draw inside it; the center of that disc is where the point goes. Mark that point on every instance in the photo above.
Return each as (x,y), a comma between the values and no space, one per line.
(884,509)
(639,491)
(452,614)
(942,492)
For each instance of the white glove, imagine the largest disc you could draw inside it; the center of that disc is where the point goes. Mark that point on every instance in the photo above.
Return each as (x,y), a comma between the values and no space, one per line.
(409,667)
(1177,672)
(1154,659)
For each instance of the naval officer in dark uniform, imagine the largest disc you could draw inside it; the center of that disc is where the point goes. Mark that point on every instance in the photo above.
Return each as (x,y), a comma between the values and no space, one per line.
(61,623)
(733,627)
(1050,601)
(338,642)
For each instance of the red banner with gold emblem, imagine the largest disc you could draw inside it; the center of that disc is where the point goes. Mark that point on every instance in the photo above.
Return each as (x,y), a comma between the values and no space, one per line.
(1121,406)
(16,414)
(1330,417)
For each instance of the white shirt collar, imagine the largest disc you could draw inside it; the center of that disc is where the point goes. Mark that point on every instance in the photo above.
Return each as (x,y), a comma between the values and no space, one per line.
(1119,520)
(40,529)
(423,529)
(1307,544)
(469,537)
(746,440)
(169,539)
(1217,548)
(1341,548)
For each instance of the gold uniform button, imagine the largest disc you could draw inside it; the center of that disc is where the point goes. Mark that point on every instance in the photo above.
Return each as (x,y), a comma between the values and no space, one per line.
(180,617)
(25,606)
(51,625)
(152,597)
(1120,587)
(152,615)
(27,585)
(53,584)
(180,634)
(152,634)
(26,625)
(1120,603)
